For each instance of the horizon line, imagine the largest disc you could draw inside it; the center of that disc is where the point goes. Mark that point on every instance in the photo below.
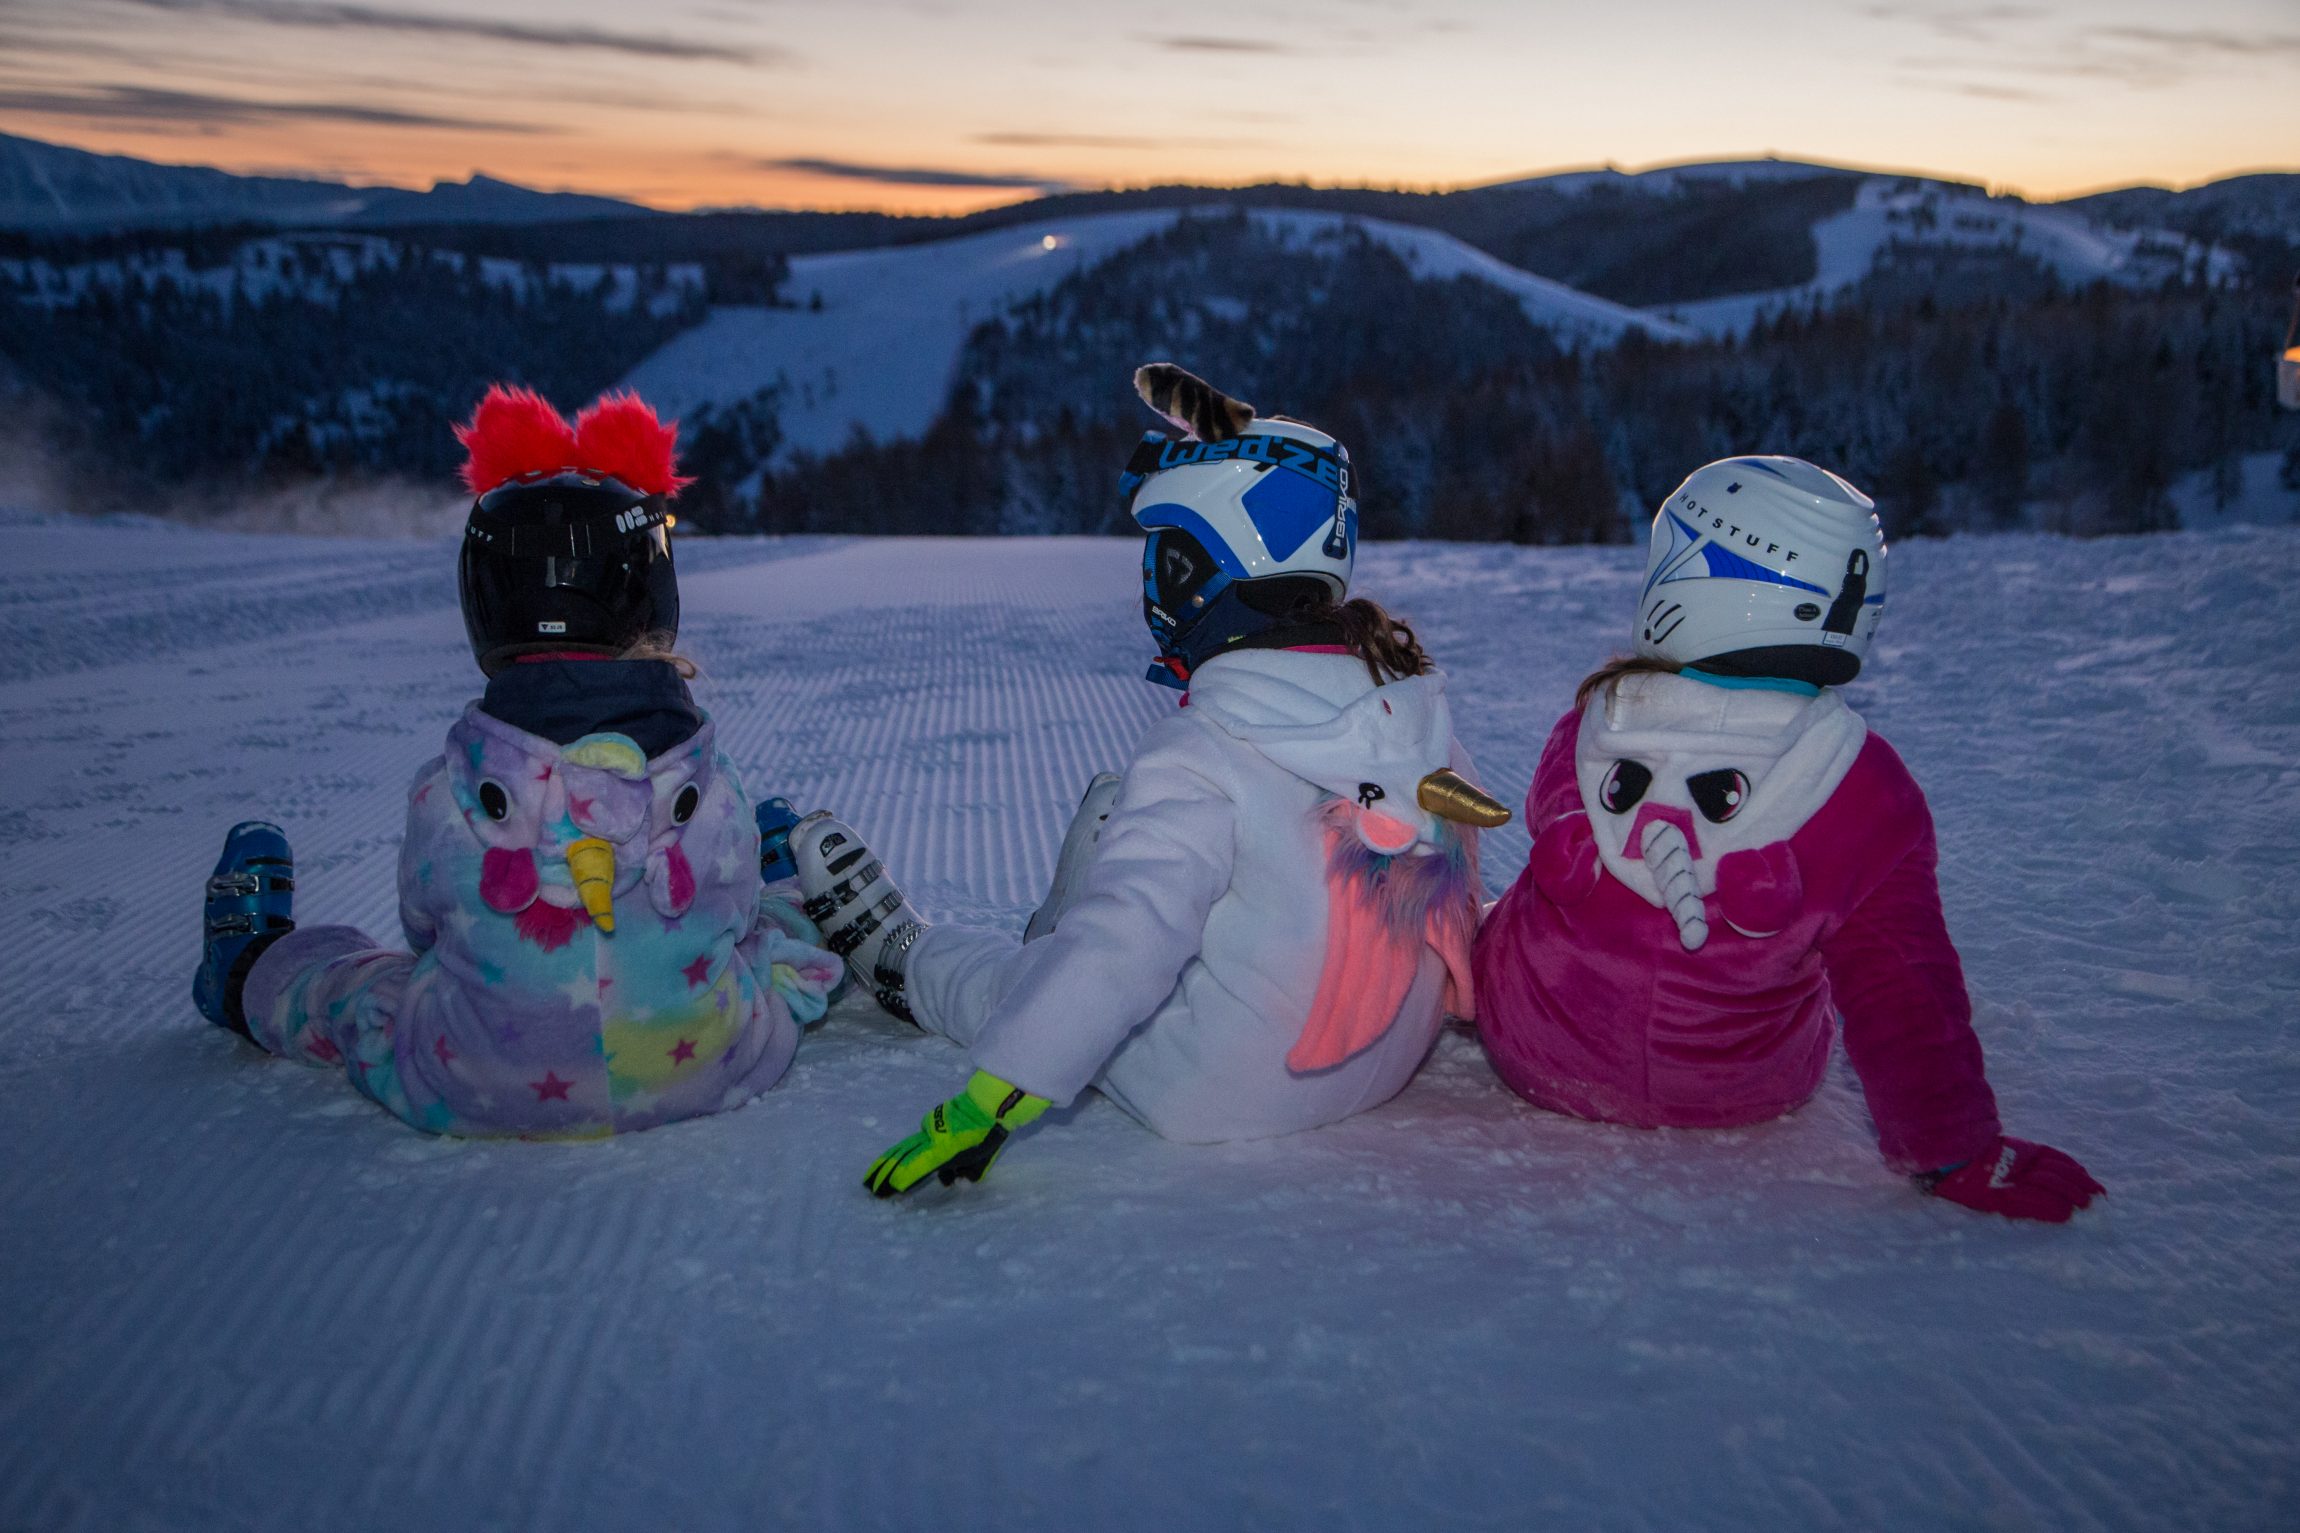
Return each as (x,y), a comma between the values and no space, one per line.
(1435,188)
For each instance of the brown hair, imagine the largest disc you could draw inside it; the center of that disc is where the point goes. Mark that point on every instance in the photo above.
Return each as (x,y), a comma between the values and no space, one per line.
(660,644)
(1607,675)
(1386,644)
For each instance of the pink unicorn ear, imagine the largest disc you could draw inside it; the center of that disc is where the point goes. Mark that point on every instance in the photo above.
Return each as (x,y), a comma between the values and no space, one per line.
(513,434)
(621,436)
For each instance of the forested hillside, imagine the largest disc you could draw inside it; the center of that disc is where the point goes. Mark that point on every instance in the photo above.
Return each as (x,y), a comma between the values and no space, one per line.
(1959,388)
(1967,385)
(165,364)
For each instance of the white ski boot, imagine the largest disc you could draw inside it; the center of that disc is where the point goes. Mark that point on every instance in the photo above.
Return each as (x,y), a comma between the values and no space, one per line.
(863,916)
(1078,844)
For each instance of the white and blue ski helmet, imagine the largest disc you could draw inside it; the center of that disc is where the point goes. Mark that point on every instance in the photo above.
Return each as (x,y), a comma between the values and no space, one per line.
(1276,500)
(1764,566)
(1239,532)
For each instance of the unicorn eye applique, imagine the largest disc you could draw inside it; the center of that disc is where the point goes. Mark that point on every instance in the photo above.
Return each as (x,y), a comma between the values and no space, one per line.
(683,807)
(1719,795)
(493,799)
(1624,786)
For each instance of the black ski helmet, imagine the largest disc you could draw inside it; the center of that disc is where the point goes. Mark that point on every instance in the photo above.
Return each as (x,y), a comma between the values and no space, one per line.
(568,544)
(566,563)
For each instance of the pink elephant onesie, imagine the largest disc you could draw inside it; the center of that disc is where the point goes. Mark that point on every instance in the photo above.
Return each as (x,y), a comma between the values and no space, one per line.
(1716,872)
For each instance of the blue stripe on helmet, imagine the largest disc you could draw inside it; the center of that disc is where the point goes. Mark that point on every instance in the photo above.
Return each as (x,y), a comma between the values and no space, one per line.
(1724,564)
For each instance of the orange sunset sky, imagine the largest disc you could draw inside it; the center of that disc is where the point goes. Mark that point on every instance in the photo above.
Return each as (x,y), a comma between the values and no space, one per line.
(916,105)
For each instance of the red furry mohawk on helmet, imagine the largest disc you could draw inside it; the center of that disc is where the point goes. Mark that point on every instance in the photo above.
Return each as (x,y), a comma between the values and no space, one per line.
(516,434)
(620,436)
(512,435)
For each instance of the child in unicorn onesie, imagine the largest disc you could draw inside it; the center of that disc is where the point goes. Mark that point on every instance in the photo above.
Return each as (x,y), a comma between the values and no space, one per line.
(1725,857)
(590,947)
(1260,926)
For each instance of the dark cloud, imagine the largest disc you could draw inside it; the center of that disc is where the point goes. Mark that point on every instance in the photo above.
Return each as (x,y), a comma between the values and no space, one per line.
(1980,90)
(2202,40)
(913,175)
(2142,57)
(1962,23)
(334,17)
(136,103)
(1257,45)
(1013,140)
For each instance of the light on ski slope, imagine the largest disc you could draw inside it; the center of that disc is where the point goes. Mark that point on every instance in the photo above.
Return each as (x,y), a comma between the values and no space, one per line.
(1050,242)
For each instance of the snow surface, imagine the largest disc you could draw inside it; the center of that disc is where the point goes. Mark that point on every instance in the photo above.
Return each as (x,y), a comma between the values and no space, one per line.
(232,1295)
(2256,493)
(1897,210)
(879,355)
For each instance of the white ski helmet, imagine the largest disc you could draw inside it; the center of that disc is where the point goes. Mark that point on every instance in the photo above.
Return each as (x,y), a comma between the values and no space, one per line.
(1764,567)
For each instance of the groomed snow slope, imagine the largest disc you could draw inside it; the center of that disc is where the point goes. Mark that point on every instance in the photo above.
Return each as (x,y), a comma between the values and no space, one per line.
(234,1296)
(879,354)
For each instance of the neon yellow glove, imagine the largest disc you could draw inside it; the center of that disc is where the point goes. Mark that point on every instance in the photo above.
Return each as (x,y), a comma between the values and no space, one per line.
(961,1137)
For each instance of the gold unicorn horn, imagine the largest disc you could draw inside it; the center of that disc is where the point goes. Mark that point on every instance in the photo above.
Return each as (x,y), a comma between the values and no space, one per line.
(1451,796)
(591,863)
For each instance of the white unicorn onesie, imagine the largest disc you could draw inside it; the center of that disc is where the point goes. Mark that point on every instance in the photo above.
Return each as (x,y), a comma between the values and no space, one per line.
(1260,926)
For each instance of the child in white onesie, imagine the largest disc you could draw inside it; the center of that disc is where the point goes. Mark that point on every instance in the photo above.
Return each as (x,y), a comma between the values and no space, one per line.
(1258,928)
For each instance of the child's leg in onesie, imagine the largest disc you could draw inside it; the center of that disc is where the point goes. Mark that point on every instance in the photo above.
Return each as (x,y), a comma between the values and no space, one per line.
(327,995)
(956,977)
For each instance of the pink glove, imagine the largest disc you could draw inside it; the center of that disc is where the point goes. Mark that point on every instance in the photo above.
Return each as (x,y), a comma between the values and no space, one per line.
(2018,1180)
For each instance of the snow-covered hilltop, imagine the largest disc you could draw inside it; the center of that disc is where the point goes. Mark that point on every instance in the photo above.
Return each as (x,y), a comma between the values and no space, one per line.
(52,187)
(1900,217)
(876,353)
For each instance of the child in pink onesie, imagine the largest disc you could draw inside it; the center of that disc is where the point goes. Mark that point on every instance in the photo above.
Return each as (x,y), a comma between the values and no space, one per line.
(1725,858)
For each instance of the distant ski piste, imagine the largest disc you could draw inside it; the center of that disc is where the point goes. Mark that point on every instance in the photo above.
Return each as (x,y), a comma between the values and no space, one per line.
(1891,212)
(878,355)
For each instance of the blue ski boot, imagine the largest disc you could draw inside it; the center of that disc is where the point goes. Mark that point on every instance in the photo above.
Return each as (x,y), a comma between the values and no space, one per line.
(251,905)
(776,817)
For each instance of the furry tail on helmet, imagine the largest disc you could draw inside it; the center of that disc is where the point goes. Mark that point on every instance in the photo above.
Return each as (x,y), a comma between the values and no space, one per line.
(1191,403)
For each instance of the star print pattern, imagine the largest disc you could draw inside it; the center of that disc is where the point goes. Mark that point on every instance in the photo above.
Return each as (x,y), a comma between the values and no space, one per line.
(510,1024)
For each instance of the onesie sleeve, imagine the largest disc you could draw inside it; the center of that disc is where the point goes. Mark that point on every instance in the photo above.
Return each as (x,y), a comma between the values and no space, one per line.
(416,851)
(1896,981)
(1140,917)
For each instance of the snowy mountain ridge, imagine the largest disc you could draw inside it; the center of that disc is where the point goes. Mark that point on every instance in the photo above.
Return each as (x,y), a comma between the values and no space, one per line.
(54,188)
(1892,216)
(1660,180)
